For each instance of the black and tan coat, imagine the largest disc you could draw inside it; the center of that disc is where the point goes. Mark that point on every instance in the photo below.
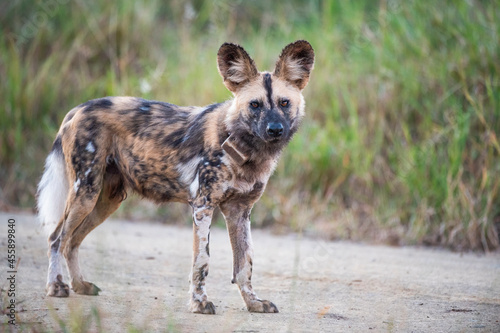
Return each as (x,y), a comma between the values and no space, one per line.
(221,155)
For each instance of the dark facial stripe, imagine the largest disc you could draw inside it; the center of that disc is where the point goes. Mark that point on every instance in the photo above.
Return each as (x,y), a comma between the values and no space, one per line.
(268,85)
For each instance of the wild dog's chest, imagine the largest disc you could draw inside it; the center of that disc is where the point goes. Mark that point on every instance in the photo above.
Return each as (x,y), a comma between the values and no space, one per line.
(216,177)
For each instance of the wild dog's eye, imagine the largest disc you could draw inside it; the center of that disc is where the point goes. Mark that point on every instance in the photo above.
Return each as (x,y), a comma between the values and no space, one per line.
(284,103)
(254,104)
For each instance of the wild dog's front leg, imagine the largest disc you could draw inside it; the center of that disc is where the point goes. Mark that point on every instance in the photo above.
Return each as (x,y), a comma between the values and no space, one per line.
(202,218)
(238,225)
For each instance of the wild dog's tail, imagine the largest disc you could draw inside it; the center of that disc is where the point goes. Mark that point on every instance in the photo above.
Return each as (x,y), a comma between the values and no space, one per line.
(53,189)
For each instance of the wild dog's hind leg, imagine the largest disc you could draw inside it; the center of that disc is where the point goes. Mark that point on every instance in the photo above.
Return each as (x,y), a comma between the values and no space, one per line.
(202,218)
(109,200)
(85,169)
(237,215)
(55,285)
(77,208)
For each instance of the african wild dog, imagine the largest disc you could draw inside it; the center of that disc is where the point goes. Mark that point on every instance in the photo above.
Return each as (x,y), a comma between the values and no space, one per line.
(221,155)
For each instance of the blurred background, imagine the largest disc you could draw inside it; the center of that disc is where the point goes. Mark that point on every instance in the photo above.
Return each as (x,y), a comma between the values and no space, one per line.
(400,144)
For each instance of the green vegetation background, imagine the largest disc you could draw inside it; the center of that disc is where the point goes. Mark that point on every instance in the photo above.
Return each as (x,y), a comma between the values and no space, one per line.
(401,139)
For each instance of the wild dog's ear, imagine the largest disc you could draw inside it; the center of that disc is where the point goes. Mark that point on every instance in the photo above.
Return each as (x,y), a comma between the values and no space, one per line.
(295,63)
(235,66)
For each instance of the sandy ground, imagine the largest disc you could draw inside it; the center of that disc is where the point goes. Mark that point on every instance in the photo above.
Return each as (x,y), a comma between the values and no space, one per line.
(142,269)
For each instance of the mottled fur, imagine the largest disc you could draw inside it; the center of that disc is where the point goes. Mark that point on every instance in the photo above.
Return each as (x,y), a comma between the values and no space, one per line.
(108,146)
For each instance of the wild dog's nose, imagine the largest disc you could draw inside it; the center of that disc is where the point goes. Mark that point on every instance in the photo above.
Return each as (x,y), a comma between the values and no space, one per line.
(275,129)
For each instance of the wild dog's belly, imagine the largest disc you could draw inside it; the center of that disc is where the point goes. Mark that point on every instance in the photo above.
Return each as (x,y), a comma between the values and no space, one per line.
(153,174)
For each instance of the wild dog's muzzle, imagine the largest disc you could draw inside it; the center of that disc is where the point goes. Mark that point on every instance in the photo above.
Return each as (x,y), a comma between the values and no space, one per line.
(275,129)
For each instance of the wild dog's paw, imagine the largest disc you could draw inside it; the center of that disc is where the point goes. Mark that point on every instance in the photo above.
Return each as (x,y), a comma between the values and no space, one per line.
(205,307)
(85,288)
(262,306)
(58,288)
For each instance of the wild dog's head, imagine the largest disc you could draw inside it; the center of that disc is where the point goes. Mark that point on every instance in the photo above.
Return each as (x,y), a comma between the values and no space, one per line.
(267,107)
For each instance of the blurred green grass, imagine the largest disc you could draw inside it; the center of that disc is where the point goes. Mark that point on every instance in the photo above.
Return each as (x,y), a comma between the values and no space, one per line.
(400,144)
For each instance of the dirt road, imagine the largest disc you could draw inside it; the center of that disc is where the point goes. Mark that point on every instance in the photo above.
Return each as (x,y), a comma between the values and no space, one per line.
(143,268)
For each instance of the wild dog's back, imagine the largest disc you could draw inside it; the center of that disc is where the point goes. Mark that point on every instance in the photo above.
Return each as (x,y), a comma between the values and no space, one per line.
(156,146)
